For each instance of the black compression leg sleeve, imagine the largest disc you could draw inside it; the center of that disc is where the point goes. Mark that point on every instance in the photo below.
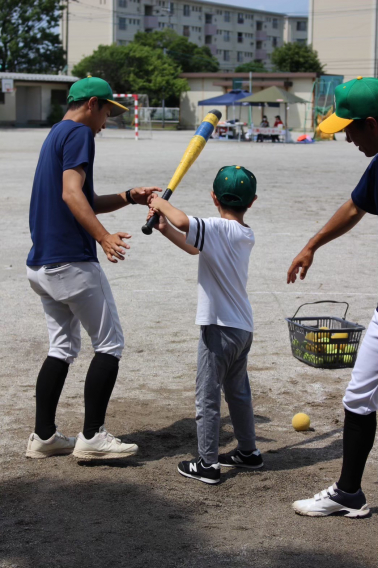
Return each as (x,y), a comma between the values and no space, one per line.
(49,387)
(101,378)
(359,434)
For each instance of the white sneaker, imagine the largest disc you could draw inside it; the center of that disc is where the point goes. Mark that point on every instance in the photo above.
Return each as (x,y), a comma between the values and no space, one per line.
(102,446)
(333,500)
(54,446)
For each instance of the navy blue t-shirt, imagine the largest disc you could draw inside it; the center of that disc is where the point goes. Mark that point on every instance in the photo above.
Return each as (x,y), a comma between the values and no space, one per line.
(56,235)
(365,195)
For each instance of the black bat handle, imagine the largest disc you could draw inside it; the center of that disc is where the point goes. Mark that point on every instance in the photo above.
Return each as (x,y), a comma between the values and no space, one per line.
(147,228)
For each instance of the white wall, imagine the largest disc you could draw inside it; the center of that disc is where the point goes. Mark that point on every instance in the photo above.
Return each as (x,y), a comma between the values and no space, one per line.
(344,34)
(8,110)
(31,99)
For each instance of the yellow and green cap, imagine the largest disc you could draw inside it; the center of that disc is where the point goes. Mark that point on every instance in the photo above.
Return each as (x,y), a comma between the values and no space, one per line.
(89,87)
(354,100)
(235,185)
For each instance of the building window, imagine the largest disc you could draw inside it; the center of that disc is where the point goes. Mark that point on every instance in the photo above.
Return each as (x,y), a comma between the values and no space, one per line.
(171,7)
(240,37)
(301,26)
(226,36)
(275,24)
(208,39)
(301,41)
(240,18)
(122,3)
(122,23)
(259,26)
(274,42)
(2,99)
(219,12)
(259,44)
(226,55)
(227,16)
(186,31)
(208,18)
(186,10)
(240,57)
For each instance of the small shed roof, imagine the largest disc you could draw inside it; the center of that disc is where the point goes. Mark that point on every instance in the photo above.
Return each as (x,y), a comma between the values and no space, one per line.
(38,77)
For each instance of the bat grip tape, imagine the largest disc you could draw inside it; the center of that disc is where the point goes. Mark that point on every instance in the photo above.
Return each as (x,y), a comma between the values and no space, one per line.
(147,228)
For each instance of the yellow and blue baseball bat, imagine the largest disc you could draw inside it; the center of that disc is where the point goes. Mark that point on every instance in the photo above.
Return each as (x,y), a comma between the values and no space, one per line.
(195,147)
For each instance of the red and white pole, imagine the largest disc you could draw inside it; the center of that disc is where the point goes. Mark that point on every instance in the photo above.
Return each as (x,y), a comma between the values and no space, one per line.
(136,110)
(136,116)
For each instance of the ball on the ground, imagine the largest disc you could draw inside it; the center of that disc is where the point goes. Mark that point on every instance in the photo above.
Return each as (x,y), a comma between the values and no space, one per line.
(301,422)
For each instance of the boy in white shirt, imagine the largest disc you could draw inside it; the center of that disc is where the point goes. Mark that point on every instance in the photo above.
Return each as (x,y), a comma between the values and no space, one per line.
(225,316)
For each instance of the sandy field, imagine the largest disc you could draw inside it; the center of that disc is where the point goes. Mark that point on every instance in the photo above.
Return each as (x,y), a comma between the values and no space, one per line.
(58,513)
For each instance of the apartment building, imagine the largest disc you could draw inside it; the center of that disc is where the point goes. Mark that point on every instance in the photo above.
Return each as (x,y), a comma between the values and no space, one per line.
(233,34)
(345,35)
(295,29)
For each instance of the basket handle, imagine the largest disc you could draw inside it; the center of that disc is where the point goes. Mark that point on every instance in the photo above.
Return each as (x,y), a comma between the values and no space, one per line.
(323,302)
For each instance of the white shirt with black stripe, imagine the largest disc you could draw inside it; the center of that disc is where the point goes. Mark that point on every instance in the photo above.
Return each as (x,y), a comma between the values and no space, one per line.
(225,247)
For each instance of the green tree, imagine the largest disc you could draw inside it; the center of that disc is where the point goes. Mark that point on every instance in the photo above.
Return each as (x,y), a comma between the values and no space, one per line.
(254,66)
(296,58)
(189,56)
(28,41)
(135,69)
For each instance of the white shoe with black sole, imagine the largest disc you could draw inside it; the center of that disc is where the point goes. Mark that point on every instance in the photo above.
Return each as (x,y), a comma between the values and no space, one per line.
(102,446)
(195,469)
(333,501)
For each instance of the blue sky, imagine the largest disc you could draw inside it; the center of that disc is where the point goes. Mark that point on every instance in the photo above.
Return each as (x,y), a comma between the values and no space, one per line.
(297,7)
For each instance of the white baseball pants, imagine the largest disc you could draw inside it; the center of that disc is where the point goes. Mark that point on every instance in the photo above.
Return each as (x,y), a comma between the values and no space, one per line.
(361,396)
(76,293)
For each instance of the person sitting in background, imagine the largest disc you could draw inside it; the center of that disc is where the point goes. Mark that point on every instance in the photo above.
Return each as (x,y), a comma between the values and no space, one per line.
(277,124)
(263,124)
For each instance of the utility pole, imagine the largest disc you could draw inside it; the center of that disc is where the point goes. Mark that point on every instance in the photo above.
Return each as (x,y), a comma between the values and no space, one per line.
(67,13)
(67,26)
(163,101)
(250,108)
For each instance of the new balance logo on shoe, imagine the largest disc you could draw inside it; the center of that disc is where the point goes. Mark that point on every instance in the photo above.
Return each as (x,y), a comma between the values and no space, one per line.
(236,459)
(196,470)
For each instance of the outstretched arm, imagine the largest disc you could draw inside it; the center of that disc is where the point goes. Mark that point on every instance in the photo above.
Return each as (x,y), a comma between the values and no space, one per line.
(342,221)
(178,218)
(176,237)
(109,203)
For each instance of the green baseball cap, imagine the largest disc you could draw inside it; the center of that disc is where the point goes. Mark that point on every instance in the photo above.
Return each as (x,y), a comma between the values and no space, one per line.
(89,87)
(354,100)
(236,183)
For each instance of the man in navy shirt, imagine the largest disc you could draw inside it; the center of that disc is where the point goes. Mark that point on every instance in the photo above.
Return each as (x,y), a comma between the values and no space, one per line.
(357,113)
(64,271)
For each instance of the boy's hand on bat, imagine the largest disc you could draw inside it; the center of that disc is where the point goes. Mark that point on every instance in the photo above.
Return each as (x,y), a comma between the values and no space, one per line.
(154,202)
(162,224)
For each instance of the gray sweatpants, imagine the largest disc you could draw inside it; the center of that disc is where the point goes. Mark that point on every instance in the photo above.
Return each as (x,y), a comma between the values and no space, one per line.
(222,364)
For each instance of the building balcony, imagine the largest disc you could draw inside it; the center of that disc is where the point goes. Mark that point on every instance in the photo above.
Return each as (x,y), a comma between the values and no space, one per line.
(210,29)
(261,36)
(151,22)
(260,54)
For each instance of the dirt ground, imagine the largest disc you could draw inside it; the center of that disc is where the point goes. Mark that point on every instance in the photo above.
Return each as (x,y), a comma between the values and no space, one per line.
(140,512)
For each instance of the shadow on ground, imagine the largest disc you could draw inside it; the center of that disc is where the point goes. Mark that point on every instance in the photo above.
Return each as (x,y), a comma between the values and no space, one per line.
(51,524)
(180,438)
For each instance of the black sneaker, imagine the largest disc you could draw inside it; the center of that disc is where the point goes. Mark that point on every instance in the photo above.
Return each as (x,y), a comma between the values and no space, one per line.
(197,470)
(237,459)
